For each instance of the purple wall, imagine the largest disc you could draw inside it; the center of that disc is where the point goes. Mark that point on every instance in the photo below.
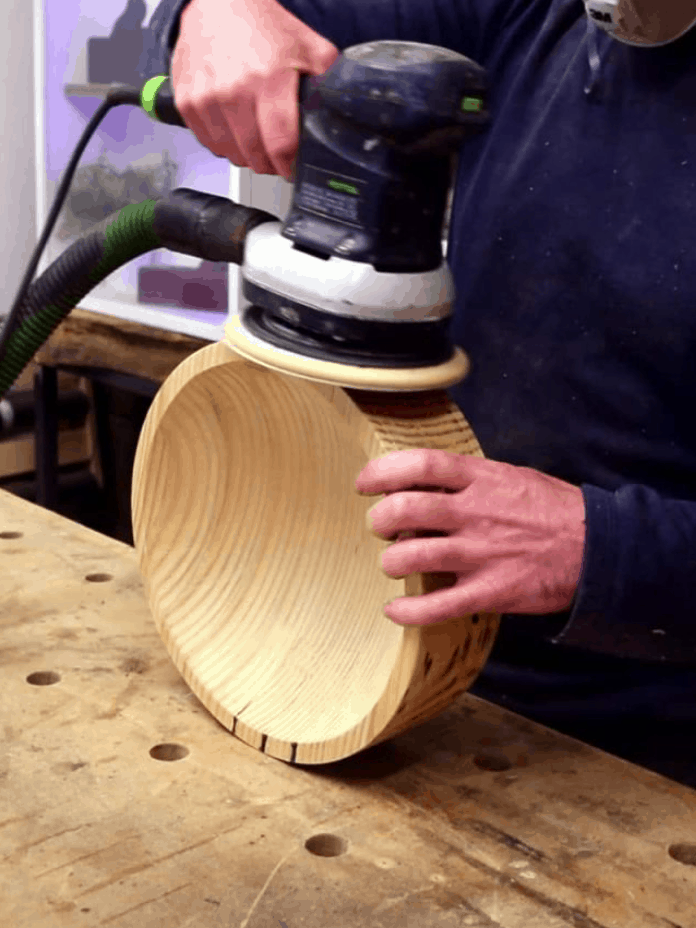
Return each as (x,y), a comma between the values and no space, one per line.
(128,137)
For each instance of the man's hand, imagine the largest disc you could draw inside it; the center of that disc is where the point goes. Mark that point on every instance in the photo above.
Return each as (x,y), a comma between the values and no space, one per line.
(514,537)
(235,74)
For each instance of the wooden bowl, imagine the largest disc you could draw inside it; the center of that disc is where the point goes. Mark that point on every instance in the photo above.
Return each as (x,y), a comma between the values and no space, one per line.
(262,576)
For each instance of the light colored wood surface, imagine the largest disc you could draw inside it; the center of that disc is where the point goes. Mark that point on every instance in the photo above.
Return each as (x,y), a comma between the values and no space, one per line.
(263,578)
(87,339)
(18,455)
(406,379)
(477,818)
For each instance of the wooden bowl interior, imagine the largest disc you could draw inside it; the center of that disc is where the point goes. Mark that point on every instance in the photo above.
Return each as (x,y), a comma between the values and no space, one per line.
(263,578)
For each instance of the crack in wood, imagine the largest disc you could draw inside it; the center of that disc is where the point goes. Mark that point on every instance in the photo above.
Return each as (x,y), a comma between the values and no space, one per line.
(452,662)
(485,830)
(561,910)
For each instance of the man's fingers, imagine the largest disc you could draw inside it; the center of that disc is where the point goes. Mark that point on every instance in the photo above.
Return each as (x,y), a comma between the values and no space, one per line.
(431,608)
(319,54)
(413,512)
(403,470)
(278,116)
(201,110)
(192,102)
(241,124)
(436,555)
(233,56)
(213,131)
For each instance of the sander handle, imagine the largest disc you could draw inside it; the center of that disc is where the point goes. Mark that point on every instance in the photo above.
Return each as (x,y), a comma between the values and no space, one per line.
(157,99)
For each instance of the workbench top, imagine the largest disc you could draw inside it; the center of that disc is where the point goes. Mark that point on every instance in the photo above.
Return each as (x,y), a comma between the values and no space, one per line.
(124,803)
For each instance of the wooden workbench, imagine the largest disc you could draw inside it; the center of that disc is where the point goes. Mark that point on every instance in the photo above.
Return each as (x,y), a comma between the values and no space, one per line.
(96,340)
(107,352)
(478,818)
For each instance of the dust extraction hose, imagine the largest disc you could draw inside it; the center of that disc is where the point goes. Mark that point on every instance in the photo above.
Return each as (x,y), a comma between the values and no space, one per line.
(187,221)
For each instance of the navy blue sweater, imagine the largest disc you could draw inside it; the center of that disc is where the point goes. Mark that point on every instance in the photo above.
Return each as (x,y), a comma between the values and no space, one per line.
(571,247)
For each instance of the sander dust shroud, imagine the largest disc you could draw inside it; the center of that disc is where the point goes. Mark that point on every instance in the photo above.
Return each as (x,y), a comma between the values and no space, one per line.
(352,289)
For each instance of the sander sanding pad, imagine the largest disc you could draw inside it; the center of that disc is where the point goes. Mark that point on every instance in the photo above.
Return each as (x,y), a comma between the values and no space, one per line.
(387,379)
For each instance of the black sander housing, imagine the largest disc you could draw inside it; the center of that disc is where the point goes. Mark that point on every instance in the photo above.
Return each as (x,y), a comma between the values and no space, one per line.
(356,274)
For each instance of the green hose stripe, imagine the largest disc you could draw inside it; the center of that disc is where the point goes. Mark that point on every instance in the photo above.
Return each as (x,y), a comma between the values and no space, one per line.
(39,326)
(148,95)
(130,233)
(24,343)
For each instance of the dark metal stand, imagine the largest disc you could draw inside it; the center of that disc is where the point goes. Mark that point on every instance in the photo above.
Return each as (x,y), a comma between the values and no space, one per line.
(46,436)
(117,422)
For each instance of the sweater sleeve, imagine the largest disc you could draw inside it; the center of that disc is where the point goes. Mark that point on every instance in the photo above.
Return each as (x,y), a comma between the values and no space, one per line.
(160,37)
(450,23)
(468,26)
(638,582)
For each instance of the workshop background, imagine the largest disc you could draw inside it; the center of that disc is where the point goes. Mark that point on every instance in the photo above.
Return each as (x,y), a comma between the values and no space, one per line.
(56,60)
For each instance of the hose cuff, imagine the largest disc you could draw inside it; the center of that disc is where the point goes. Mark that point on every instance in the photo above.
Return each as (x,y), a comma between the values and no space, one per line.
(205,226)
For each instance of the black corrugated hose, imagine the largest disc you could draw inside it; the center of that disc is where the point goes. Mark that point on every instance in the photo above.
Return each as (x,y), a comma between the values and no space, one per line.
(205,226)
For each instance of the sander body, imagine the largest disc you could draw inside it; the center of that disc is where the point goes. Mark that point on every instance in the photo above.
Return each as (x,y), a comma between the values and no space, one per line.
(352,288)
(355,275)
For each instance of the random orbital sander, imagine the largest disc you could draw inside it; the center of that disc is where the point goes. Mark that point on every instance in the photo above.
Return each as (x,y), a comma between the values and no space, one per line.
(352,288)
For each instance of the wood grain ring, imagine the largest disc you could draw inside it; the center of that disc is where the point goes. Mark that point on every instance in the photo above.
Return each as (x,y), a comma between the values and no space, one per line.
(262,577)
